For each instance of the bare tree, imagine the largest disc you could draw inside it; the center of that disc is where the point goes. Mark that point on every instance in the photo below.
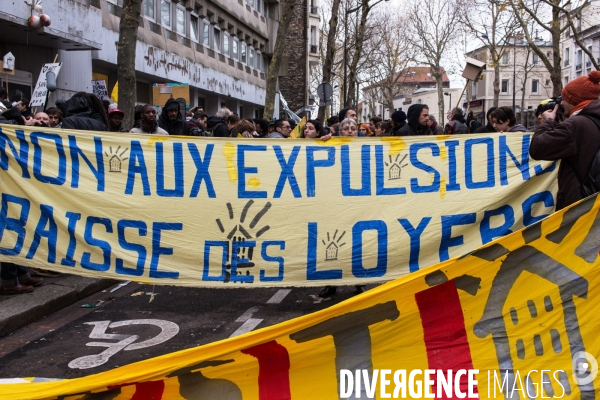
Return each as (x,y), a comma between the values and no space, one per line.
(330,49)
(434,30)
(128,33)
(286,9)
(491,22)
(535,10)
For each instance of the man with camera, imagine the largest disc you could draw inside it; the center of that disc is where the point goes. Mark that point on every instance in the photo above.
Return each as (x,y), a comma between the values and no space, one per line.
(575,141)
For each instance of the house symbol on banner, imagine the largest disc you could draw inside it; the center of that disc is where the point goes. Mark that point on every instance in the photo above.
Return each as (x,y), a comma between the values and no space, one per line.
(114,159)
(331,249)
(396,167)
(501,315)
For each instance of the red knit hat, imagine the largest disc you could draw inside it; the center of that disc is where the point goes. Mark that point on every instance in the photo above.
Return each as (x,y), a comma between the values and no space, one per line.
(582,88)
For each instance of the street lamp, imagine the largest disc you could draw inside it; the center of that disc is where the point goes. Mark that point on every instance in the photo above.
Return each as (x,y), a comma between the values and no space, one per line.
(449,94)
(514,73)
(346,13)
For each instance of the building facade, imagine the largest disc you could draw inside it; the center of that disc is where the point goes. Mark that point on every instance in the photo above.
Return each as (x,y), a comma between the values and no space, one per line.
(523,77)
(576,63)
(220,48)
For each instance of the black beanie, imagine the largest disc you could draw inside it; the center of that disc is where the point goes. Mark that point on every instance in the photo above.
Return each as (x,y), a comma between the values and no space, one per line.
(399,116)
(342,115)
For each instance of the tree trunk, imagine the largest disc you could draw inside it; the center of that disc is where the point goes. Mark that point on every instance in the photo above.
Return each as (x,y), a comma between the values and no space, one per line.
(287,10)
(437,75)
(128,33)
(496,81)
(330,56)
(556,72)
(360,37)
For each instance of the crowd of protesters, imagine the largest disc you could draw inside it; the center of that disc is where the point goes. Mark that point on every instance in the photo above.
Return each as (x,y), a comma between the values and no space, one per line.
(569,131)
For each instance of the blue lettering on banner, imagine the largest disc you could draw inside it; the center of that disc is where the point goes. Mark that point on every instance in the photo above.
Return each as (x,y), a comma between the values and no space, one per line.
(72,225)
(202,173)
(61,178)
(487,232)
(287,172)
(21,157)
(311,259)
(414,182)
(380,188)
(243,170)
(277,259)
(137,165)
(12,224)
(160,171)
(311,164)
(491,178)
(236,247)
(448,221)
(365,158)
(539,170)
(86,259)
(157,251)
(138,248)
(51,234)
(522,166)
(207,246)
(357,249)
(98,170)
(415,240)
(452,184)
(545,197)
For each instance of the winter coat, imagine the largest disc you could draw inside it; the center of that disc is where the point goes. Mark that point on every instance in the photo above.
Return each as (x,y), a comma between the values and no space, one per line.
(177,127)
(218,126)
(195,124)
(397,128)
(575,141)
(436,129)
(12,116)
(80,116)
(456,127)
(157,130)
(412,127)
(485,129)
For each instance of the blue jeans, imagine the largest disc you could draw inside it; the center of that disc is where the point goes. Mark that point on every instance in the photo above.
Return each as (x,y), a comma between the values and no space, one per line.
(9,273)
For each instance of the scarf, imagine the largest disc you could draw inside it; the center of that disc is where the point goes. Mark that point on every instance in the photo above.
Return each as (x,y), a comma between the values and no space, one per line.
(579,107)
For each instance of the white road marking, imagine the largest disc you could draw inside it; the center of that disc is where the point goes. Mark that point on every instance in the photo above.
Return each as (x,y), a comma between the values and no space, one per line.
(279,296)
(247,315)
(249,325)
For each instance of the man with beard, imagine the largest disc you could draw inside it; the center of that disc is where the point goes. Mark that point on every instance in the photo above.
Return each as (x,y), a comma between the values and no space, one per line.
(173,122)
(148,123)
(418,116)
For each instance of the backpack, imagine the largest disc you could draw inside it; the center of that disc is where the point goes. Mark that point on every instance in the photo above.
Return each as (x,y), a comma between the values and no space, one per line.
(591,184)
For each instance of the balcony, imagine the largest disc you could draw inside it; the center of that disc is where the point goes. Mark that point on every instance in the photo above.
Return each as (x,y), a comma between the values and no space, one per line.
(566,63)
(313,49)
(578,67)
(314,10)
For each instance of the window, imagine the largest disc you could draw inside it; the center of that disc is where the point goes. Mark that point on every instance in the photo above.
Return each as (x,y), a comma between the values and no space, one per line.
(505,84)
(234,49)
(535,86)
(566,80)
(205,34)
(226,43)
(165,13)
(504,58)
(194,27)
(243,53)
(588,63)
(313,35)
(148,9)
(250,3)
(536,59)
(258,60)
(265,9)
(180,18)
(258,5)
(217,39)
(567,56)
(250,56)
(112,6)
(579,59)
(265,64)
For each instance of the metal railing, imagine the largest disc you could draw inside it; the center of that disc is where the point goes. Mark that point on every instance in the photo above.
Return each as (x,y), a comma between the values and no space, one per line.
(314,10)
(578,67)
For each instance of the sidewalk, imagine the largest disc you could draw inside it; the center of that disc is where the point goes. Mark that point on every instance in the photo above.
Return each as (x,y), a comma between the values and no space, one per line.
(54,294)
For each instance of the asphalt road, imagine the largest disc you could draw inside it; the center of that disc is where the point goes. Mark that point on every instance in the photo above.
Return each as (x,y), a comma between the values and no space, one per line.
(58,345)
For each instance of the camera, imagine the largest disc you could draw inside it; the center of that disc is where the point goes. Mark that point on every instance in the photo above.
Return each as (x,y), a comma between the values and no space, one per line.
(549,104)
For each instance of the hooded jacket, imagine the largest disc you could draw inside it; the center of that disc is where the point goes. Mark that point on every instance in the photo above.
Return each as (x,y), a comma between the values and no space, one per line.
(458,125)
(11,116)
(80,116)
(218,126)
(177,127)
(518,128)
(575,141)
(412,127)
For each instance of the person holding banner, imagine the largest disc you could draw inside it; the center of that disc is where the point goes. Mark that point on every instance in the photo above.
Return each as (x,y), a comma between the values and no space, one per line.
(84,111)
(147,123)
(16,279)
(313,129)
(504,120)
(575,141)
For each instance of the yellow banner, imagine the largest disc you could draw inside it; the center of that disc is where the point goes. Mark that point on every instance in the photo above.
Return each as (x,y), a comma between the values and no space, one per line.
(248,212)
(515,319)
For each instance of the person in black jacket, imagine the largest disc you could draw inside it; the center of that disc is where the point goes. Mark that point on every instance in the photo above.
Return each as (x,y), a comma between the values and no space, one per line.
(489,128)
(84,111)
(173,122)
(418,116)
(216,123)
